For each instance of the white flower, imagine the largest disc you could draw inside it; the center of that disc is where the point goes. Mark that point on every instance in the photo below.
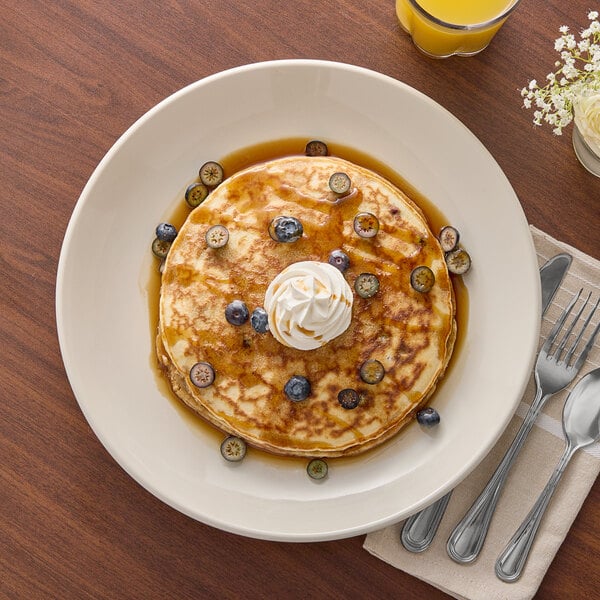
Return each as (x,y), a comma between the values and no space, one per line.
(576,77)
(587,119)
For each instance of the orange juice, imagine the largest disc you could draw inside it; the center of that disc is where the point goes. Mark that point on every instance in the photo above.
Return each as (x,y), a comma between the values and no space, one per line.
(445,27)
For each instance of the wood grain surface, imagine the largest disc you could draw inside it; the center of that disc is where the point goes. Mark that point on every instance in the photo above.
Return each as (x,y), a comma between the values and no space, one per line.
(74,75)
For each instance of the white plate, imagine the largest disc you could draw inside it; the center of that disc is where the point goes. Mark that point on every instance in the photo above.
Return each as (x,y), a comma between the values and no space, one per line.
(102,299)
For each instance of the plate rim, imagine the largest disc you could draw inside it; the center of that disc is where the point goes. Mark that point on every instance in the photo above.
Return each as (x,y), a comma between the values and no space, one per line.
(62,277)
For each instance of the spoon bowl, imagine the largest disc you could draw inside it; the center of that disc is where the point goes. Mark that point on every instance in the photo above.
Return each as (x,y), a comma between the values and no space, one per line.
(581,413)
(581,425)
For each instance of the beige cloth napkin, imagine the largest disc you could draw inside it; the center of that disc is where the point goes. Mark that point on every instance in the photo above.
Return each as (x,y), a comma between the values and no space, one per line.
(543,448)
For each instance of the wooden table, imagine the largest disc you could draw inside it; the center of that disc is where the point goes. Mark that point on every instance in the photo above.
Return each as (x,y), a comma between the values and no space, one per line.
(73,76)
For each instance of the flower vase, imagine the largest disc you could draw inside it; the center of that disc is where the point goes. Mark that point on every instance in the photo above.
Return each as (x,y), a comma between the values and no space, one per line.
(587,157)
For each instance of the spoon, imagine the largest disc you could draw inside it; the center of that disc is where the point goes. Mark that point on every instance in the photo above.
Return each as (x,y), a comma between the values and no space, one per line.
(581,425)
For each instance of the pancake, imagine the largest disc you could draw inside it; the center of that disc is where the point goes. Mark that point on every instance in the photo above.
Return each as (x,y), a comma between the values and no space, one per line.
(410,333)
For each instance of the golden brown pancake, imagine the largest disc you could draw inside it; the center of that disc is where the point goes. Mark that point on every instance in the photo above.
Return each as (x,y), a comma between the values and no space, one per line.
(411,333)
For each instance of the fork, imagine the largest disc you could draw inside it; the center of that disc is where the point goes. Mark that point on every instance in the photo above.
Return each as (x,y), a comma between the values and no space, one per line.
(556,366)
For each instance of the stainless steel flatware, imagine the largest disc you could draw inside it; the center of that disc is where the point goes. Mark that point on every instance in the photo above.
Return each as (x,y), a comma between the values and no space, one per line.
(420,529)
(581,425)
(555,368)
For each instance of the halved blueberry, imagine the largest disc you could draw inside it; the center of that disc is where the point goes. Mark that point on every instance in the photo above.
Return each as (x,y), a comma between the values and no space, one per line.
(428,417)
(449,237)
(259,319)
(316,148)
(237,312)
(166,232)
(349,398)
(160,248)
(297,388)
(317,468)
(285,229)
(211,173)
(195,194)
(233,448)
(202,374)
(339,183)
(366,285)
(458,261)
(366,224)
(422,279)
(217,236)
(372,371)
(339,260)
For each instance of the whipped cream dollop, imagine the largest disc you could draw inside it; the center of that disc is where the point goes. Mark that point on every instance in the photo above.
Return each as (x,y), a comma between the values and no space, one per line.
(309,303)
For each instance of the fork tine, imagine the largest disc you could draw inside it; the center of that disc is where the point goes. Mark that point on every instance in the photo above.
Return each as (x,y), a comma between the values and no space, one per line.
(567,333)
(583,328)
(581,358)
(560,322)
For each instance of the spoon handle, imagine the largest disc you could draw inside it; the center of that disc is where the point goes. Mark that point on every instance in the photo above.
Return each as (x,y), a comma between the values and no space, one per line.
(467,538)
(511,561)
(420,529)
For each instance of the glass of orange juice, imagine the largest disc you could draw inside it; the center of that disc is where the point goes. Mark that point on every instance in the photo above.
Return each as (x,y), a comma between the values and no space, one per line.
(442,28)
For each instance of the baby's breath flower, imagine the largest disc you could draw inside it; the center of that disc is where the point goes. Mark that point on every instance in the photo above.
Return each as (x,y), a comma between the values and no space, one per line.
(577,74)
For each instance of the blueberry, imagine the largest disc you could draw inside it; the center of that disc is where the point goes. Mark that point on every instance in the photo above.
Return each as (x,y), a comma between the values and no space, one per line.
(297,388)
(428,417)
(237,313)
(166,232)
(259,319)
(339,260)
(285,229)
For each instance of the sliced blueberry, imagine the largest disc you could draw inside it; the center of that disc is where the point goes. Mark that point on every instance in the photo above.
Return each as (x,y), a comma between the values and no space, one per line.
(428,417)
(449,237)
(160,248)
(233,448)
(458,261)
(366,285)
(285,229)
(211,173)
(372,371)
(217,236)
(195,194)
(237,312)
(166,232)
(202,374)
(339,260)
(422,279)
(317,468)
(316,148)
(366,224)
(259,319)
(297,388)
(339,183)
(349,399)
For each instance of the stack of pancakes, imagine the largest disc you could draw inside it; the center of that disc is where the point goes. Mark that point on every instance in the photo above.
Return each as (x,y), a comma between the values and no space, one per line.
(411,333)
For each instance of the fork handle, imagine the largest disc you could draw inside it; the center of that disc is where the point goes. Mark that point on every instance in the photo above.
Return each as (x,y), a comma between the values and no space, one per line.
(467,538)
(510,563)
